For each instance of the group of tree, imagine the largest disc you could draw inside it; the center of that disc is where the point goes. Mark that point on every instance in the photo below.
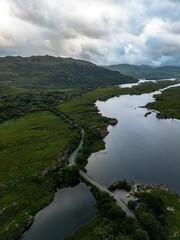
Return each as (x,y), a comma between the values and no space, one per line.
(111,221)
(67,176)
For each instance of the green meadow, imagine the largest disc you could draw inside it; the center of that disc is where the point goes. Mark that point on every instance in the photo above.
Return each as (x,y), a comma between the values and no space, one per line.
(28,146)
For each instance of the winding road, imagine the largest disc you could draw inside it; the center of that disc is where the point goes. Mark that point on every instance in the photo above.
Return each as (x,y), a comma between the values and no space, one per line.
(72,158)
(72,161)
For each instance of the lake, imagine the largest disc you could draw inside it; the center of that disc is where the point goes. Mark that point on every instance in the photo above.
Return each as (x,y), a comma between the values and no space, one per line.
(138,148)
(71,208)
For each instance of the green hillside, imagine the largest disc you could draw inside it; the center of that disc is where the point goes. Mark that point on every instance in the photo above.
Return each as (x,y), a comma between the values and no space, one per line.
(147,72)
(40,71)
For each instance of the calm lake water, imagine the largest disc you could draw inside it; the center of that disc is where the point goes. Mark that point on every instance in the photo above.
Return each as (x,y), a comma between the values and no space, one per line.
(138,148)
(143,149)
(71,208)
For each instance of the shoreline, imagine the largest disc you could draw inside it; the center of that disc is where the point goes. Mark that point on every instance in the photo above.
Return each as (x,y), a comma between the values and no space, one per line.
(104,133)
(141,187)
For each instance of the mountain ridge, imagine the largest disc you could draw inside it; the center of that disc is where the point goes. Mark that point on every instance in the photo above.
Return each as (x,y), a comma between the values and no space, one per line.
(146,71)
(47,70)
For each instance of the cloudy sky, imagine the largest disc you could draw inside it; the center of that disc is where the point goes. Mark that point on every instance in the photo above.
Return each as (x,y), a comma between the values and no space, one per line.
(102,31)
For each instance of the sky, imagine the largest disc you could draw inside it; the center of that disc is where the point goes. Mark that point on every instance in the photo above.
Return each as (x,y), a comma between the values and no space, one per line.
(101,31)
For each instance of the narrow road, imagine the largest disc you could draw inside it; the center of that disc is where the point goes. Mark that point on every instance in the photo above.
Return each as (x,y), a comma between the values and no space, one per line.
(104,189)
(72,161)
(72,158)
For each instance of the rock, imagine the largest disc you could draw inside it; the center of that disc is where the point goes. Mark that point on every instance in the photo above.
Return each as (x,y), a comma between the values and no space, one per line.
(28,225)
(104,133)
(148,113)
(113,121)
(171,209)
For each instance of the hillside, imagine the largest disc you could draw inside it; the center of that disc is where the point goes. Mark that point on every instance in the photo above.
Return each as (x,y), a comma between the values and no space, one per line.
(38,71)
(147,72)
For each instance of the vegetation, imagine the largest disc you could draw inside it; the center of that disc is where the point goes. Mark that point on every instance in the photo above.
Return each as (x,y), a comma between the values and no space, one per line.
(149,87)
(132,205)
(167,103)
(154,217)
(120,185)
(43,71)
(172,202)
(37,138)
(67,176)
(17,102)
(110,222)
(153,222)
(83,111)
(146,71)
(29,149)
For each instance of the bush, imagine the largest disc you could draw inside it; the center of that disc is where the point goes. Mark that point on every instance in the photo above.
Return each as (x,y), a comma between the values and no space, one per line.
(132,205)
(141,235)
(67,176)
(120,185)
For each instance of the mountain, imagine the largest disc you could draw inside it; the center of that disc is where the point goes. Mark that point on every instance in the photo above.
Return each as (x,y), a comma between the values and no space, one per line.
(146,71)
(37,71)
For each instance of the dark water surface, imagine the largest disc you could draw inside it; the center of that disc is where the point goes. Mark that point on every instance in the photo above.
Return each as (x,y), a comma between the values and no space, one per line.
(143,149)
(71,208)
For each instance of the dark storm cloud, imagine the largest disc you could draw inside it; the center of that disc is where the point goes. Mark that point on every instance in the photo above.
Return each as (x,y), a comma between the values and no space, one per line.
(102,31)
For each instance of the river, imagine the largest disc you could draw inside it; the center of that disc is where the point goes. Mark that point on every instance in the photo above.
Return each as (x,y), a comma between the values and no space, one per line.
(138,148)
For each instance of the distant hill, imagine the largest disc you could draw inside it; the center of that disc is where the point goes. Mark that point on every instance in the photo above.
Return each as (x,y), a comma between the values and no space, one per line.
(40,71)
(147,72)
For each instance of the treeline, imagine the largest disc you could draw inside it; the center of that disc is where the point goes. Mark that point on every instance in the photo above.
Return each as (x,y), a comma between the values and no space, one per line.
(17,105)
(111,221)
(120,185)
(67,176)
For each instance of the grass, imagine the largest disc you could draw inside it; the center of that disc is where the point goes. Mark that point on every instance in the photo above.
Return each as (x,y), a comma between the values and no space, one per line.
(149,87)
(28,146)
(83,111)
(167,103)
(100,145)
(173,218)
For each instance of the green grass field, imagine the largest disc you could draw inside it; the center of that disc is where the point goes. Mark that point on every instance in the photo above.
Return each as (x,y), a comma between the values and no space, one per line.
(28,146)
(167,103)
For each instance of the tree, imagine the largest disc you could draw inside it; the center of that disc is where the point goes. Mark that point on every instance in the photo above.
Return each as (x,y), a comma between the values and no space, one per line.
(151,225)
(132,205)
(141,235)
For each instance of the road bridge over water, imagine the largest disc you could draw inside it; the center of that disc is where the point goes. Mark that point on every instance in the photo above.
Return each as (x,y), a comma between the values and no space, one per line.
(72,161)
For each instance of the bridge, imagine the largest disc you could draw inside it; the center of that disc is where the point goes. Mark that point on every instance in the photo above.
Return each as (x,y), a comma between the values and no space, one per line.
(72,161)
(104,189)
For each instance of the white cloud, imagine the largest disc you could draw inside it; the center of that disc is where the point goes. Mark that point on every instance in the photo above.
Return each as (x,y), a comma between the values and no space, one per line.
(102,31)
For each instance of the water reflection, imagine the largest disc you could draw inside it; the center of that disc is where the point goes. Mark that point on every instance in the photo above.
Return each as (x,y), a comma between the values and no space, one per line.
(71,208)
(143,149)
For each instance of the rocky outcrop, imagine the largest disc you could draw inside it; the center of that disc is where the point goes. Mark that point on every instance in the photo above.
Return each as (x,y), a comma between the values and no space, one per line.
(113,121)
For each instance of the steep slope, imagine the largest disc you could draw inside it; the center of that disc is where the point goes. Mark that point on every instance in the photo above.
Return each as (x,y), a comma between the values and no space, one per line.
(51,71)
(147,72)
